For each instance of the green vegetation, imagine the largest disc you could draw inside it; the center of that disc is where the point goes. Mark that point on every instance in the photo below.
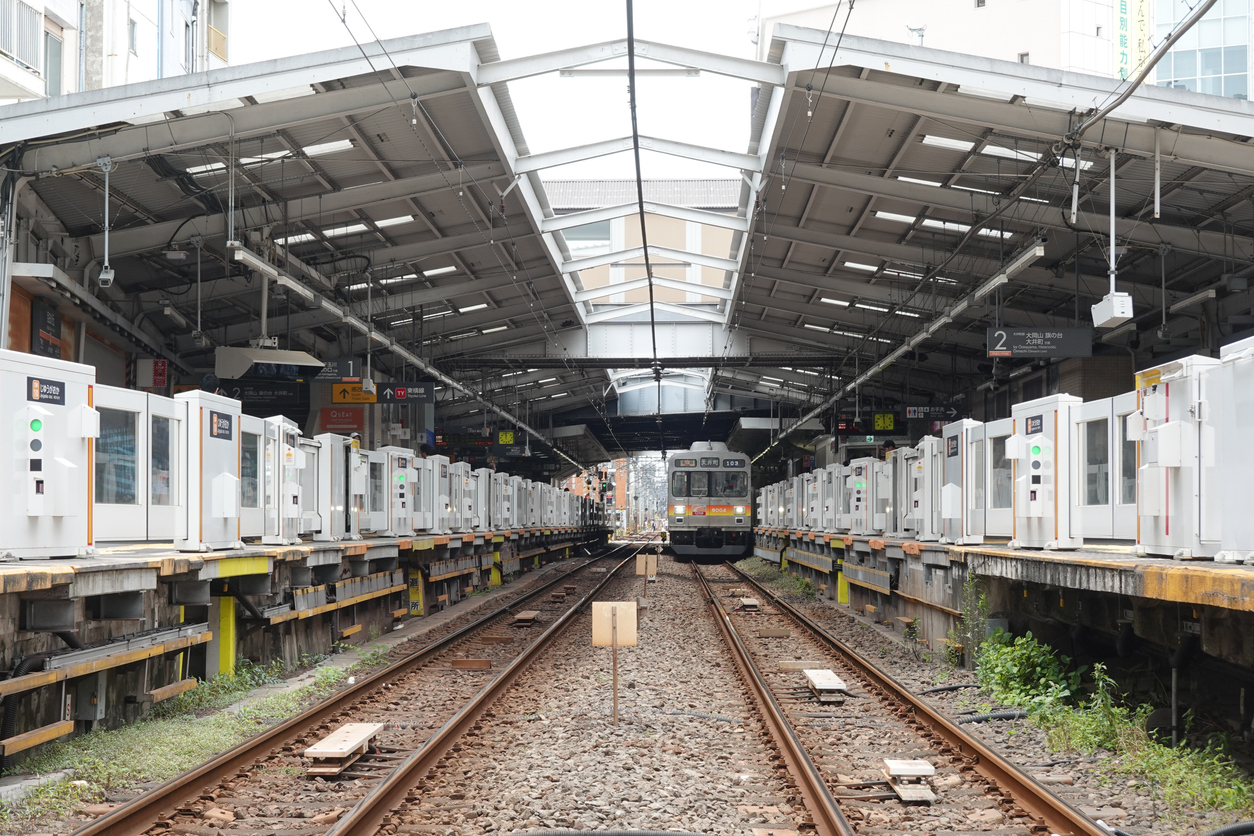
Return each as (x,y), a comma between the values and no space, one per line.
(1029,674)
(774,577)
(972,627)
(176,737)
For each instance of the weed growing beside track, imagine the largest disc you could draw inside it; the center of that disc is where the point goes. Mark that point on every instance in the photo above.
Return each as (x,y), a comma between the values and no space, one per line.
(779,580)
(177,736)
(1027,673)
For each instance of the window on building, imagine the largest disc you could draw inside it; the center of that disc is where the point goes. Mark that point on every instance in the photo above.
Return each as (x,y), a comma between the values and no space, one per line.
(1099,31)
(1023,58)
(979,4)
(189,49)
(132,37)
(52,64)
(1212,57)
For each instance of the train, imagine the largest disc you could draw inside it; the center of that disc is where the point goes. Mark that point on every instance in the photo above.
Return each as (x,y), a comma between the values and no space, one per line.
(709,502)
(85,463)
(1162,469)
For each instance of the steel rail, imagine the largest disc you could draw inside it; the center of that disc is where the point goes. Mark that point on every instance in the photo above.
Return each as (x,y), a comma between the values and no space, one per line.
(366,817)
(828,818)
(143,812)
(1059,816)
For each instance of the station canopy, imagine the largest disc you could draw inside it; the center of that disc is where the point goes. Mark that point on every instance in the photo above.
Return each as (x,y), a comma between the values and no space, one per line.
(860,241)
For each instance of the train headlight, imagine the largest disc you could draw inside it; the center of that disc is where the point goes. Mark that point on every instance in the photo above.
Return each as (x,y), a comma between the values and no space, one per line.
(680,509)
(740,509)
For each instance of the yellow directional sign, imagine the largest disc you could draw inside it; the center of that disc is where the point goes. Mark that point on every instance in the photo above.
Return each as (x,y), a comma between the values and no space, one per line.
(350,393)
(884,421)
(505,437)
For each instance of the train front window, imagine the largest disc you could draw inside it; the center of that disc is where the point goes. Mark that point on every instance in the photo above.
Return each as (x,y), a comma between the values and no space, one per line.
(730,483)
(698,483)
(679,484)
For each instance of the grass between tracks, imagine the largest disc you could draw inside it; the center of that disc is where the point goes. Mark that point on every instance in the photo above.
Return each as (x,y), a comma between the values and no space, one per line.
(774,577)
(176,736)
(1022,671)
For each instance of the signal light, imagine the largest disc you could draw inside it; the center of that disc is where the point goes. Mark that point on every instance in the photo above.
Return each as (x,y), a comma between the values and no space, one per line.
(36,425)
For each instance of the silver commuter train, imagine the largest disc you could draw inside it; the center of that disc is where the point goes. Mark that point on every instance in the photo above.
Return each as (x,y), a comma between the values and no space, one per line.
(709,501)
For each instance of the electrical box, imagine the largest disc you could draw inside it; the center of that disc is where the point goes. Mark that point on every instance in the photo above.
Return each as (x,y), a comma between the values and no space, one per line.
(440,506)
(925,489)
(1114,309)
(401,476)
(89,697)
(901,517)
(863,483)
(337,478)
(284,461)
(1179,490)
(812,517)
(458,487)
(1046,505)
(483,498)
(211,450)
(45,460)
(1233,389)
(831,495)
(962,482)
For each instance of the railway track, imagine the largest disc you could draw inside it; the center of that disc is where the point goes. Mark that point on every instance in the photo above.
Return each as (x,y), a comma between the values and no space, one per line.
(836,745)
(422,701)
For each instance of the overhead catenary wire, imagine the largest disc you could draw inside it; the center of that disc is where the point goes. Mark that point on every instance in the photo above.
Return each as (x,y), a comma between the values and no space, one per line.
(644,233)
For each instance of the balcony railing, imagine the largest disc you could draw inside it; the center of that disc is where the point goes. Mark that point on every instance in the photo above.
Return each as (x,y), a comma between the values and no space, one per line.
(217,42)
(21,29)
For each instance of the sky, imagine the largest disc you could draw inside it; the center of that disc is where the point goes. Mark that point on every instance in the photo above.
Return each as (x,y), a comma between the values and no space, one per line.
(555,112)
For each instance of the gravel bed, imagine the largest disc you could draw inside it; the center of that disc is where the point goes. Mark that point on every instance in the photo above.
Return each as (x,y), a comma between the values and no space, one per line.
(688,753)
(1086,781)
(850,741)
(276,795)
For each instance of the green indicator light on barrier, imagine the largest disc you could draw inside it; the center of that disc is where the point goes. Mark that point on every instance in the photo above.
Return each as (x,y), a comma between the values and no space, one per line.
(36,425)
(1036,450)
(857,484)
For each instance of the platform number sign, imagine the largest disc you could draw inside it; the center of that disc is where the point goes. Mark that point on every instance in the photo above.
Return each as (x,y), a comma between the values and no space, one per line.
(884,421)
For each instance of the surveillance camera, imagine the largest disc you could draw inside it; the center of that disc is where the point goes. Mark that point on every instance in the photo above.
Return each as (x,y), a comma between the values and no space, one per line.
(106,277)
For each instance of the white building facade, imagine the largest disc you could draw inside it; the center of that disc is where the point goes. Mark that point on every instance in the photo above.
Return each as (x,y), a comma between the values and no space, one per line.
(44,53)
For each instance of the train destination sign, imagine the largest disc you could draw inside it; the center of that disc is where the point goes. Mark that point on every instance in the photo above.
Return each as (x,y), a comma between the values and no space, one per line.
(1040,342)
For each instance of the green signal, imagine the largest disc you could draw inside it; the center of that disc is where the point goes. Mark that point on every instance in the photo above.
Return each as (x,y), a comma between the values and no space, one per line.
(400,477)
(857,484)
(1036,450)
(36,425)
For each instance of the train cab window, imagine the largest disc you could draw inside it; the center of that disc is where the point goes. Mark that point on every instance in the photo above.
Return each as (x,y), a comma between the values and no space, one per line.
(679,484)
(699,483)
(731,483)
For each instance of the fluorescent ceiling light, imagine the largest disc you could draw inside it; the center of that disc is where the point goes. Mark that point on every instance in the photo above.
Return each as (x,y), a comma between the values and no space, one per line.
(1009,153)
(197,170)
(946,142)
(907,313)
(893,216)
(437,315)
(408,277)
(210,168)
(835,302)
(547,380)
(439,271)
(867,307)
(947,226)
(766,382)
(776,379)
(817,328)
(920,182)
(994,233)
(478,307)
(299,238)
(856,266)
(327,148)
(494,330)
(348,229)
(977,191)
(386,222)
(402,322)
